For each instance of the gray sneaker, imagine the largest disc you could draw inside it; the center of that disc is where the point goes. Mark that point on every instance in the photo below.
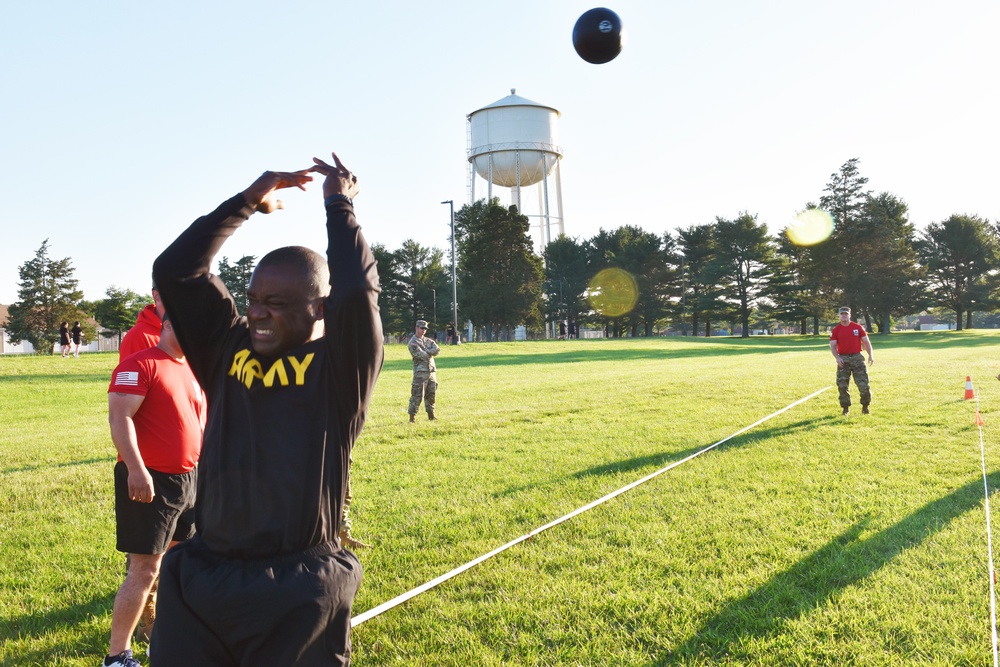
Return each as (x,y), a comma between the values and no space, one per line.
(123,659)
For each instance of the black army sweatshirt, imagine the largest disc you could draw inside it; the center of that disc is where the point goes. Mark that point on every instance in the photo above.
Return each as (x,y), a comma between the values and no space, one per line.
(274,464)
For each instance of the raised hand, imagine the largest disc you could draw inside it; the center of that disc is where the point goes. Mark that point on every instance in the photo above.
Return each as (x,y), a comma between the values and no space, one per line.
(339,180)
(262,193)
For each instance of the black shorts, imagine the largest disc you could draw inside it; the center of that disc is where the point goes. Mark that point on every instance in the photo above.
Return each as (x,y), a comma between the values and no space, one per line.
(149,528)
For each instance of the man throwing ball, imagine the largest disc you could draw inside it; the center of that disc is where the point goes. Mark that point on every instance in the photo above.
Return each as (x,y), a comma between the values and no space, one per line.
(266,581)
(846,340)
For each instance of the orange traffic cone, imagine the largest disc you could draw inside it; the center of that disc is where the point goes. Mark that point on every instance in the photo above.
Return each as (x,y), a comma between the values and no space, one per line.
(968,388)
(979,419)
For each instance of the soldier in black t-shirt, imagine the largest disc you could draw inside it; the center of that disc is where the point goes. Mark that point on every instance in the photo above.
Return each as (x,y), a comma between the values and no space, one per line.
(266,580)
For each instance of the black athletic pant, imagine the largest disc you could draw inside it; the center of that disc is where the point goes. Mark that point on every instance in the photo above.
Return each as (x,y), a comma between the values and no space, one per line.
(291,610)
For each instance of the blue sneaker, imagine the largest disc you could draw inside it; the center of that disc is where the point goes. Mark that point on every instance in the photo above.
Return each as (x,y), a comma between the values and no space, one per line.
(123,659)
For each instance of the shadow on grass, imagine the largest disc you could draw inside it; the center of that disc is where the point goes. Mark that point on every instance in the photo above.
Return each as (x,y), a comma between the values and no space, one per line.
(577,355)
(816,579)
(68,464)
(661,460)
(53,628)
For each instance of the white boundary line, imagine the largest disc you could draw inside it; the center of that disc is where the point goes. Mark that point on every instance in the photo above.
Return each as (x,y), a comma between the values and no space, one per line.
(989,542)
(400,599)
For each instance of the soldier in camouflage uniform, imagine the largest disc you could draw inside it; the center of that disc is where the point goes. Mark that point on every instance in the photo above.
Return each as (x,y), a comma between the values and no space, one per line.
(846,340)
(423,350)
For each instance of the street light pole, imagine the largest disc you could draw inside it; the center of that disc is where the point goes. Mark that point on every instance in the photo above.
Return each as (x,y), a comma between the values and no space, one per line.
(560,310)
(562,304)
(454,280)
(683,301)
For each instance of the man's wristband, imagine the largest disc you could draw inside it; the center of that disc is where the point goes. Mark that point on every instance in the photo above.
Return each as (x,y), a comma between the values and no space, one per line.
(338,197)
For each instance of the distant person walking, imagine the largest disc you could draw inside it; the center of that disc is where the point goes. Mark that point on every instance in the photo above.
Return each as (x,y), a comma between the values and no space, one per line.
(77,334)
(846,340)
(64,339)
(424,388)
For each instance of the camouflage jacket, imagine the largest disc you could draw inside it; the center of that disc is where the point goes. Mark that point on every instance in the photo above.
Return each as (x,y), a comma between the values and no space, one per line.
(423,350)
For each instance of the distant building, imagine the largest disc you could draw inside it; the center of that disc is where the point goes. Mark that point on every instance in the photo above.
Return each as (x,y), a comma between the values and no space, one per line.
(930,323)
(24,347)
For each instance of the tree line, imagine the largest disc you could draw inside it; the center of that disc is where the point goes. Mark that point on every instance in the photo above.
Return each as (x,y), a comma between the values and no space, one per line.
(731,272)
(48,294)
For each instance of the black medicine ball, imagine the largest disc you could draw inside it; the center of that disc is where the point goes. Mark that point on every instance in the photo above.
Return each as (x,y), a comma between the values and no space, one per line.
(597,35)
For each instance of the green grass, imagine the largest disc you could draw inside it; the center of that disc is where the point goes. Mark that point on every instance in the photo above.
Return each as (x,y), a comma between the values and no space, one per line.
(813,539)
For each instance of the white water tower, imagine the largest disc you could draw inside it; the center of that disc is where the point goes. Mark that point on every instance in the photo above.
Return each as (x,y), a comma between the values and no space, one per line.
(512,145)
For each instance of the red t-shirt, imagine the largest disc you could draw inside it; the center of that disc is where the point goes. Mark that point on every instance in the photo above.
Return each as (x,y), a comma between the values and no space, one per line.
(171,419)
(848,337)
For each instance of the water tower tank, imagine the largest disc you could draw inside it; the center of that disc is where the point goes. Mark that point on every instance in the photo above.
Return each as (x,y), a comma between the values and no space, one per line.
(512,144)
(516,138)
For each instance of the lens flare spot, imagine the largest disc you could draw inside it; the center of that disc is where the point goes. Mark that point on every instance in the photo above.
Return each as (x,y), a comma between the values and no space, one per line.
(810,227)
(613,292)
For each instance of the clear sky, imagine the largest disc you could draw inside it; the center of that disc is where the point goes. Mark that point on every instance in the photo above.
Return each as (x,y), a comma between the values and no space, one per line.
(120,122)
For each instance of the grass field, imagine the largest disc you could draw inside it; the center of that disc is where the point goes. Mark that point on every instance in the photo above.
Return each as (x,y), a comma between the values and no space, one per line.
(813,539)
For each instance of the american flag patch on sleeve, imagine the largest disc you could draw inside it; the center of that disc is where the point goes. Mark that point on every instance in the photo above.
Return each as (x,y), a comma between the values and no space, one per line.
(127,378)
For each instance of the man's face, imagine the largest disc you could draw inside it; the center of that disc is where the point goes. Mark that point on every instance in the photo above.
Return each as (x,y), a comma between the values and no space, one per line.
(280,312)
(845,317)
(420,331)
(167,336)
(157,304)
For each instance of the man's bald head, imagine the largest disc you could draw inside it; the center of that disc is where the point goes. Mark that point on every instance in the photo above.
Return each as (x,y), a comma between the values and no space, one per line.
(308,264)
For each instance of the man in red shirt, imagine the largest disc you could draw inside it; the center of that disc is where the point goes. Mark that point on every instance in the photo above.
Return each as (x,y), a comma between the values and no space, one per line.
(846,340)
(157,414)
(145,334)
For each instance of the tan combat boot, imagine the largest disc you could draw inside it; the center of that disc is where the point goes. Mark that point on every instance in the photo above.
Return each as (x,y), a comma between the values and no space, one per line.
(144,629)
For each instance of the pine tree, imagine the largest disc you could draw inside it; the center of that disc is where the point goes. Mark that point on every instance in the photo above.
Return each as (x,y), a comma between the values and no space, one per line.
(743,264)
(567,273)
(838,258)
(236,277)
(697,248)
(47,295)
(499,274)
(961,255)
(119,309)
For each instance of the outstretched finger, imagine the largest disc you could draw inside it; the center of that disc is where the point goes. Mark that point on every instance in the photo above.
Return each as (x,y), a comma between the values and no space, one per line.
(321,167)
(298,178)
(336,160)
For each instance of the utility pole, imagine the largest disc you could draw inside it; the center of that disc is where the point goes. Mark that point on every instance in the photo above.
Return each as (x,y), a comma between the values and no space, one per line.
(454,279)
(683,301)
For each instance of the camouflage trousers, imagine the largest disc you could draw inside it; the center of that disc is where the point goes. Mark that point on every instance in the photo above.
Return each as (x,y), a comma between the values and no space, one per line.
(854,364)
(424,389)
